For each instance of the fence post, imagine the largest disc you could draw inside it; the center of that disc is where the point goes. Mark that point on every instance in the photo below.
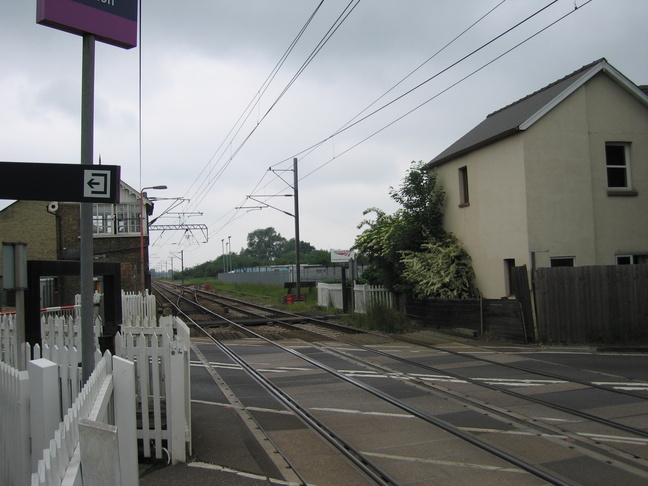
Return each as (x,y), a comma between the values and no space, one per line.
(99,453)
(45,409)
(177,399)
(125,419)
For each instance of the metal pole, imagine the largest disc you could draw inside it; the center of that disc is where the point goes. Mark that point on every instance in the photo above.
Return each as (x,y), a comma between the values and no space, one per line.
(297,245)
(229,253)
(223,251)
(86,250)
(142,222)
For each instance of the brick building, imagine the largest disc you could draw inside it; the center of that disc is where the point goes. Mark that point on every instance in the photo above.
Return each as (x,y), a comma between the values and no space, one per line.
(51,231)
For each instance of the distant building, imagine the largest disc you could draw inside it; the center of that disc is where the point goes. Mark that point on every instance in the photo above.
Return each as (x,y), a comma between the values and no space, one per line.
(52,232)
(558,178)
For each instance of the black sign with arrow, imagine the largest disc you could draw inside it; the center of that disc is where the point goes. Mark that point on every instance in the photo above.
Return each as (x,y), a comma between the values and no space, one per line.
(59,182)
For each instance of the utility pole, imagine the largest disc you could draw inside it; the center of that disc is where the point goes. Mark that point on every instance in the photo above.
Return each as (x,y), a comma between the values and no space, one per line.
(229,252)
(297,245)
(295,194)
(223,254)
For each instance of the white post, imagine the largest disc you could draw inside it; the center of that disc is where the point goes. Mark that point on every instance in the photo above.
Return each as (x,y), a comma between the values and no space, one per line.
(99,453)
(125,419)
(177,400)
(45,412)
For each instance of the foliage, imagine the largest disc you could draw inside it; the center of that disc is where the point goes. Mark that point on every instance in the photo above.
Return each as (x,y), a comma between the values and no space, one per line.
(381,318)
(265,244)
(265,247)
(409,251)
(442,271)
(386,237)
(380,245)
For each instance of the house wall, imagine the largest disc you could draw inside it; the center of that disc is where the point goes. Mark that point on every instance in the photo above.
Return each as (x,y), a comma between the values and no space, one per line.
(544,190)
(29,222)
(621,223)
(115,248)
(494,226)
(559,184)
(570,209)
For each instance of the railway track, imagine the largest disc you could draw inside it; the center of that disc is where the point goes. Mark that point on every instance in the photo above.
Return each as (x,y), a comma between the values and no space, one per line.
(488,407)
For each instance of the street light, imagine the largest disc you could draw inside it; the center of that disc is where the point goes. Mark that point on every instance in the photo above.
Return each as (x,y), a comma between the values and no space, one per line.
(143,219)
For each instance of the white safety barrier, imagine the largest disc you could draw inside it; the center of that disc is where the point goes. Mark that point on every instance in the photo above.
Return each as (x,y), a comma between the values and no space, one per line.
(161,357)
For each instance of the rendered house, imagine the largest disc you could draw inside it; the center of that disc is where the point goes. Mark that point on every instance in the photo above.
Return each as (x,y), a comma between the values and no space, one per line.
(558,178)
(51,231)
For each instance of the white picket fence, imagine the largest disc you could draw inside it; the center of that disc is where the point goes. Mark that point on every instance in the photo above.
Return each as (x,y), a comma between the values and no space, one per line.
(161,391)
(8,345)
(162,359)
(330,295)
(139,310)
(56,331)
(96,439)
(40,446)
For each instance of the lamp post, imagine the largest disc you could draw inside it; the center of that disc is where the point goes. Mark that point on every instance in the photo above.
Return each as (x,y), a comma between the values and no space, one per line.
(143,219)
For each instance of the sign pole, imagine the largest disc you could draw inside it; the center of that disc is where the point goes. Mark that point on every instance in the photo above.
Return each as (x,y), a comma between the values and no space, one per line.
(86,250)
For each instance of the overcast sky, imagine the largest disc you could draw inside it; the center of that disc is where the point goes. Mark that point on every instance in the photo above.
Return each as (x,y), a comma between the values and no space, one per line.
(215,116)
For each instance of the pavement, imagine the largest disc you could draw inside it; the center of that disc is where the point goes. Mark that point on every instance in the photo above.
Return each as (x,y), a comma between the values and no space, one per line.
(226,453)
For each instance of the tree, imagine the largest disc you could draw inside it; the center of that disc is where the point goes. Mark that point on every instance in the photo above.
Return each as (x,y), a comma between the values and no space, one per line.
(264,244)
(396,246)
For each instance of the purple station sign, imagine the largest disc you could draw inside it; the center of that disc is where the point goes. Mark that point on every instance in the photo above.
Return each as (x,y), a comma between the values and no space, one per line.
(111,21)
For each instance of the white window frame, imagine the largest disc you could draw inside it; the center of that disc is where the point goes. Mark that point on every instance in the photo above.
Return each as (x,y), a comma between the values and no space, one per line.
(625,166)
(116,220)
(634,259)
(562,259)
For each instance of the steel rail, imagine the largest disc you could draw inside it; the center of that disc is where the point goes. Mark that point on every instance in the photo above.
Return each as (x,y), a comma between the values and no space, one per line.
(354,456)
(503,454)
(539,401)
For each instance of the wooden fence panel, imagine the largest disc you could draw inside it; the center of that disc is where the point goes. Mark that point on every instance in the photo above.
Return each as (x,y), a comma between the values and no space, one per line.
(593,303)
(502,317)
(520,287)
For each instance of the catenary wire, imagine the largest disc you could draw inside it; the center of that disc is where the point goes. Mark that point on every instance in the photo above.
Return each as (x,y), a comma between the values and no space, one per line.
(341,18)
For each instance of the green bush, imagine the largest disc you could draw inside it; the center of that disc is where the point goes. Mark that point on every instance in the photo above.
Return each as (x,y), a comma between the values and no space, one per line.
(381,318)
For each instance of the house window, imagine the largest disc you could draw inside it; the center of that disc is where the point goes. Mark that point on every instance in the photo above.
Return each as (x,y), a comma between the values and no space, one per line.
(112,219)
(562,261)
(631,259)
(464,197)
(617,162)
(509,265)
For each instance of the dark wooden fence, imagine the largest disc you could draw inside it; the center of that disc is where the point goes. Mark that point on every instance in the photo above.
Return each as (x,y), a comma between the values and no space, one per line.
(572,304)
(501,318)
(597,303)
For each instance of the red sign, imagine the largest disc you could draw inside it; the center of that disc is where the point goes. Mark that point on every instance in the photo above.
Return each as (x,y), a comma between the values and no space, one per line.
(111,21)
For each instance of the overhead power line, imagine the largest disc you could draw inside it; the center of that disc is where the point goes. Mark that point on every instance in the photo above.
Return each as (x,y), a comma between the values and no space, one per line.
(338,22)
